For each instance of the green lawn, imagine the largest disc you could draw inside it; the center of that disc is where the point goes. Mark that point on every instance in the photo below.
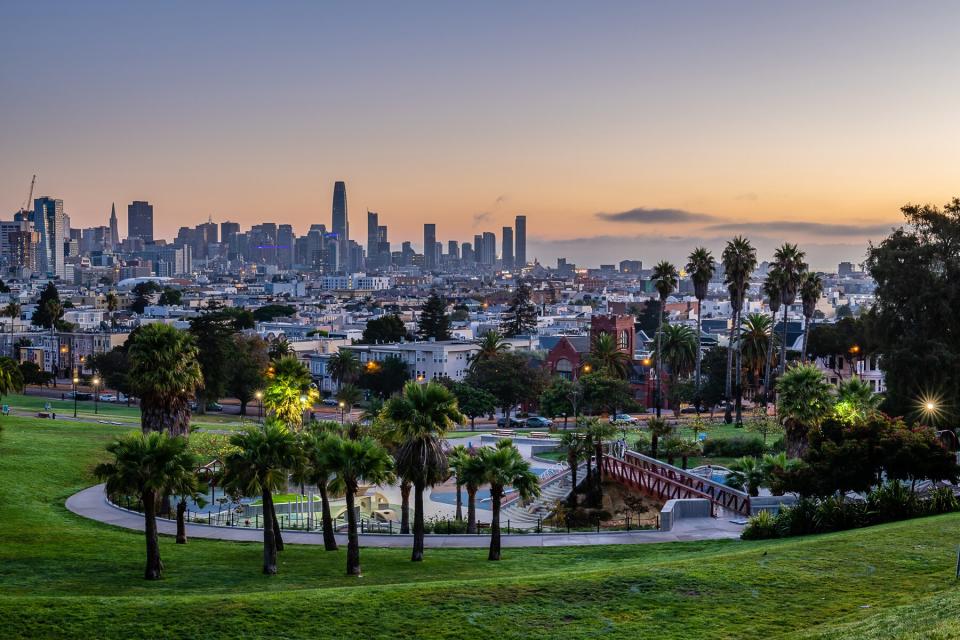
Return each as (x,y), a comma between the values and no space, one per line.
(65,577)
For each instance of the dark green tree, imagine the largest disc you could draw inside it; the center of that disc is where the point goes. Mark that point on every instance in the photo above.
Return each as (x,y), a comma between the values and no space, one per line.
(213,334)
(47,312)
(520,317)
(386,329)
(509,377)
(384,378)
(143,294)
(271,311)
(248,368)
(473,402)
(557,399)
(170,297)
(605,394)
(434,321)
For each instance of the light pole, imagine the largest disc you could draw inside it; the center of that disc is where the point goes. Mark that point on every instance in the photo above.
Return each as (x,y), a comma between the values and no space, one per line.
(342,405)
(75,381)
(96,394)
(259,396)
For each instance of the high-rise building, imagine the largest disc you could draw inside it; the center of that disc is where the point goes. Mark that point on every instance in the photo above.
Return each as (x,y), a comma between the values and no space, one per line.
(114,229)
(466,253)
(489,253)
(285,246)
(140,220)
(373,239)
(341,224)
(50,221)
(506,253)
(453,249)
(430,246)
(520,254)
(228,236)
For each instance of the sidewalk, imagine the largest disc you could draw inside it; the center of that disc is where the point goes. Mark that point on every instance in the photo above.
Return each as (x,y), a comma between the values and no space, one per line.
(91,503)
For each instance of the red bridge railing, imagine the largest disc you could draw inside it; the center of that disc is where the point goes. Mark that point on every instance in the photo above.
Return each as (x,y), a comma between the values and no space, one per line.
(666,482)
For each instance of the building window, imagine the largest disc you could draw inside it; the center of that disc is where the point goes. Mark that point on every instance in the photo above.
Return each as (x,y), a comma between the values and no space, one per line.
(564,368)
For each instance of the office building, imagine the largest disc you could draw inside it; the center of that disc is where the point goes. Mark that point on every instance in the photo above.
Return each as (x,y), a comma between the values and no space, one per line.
(373,238)
(114,228)
(430,246)
(341,224)
(50,221)
(488,255)
(140,220)
(453,249)
(506,252)
(520,253)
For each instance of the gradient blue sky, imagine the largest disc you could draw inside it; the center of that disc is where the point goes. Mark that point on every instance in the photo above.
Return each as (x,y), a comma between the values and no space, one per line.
(811,122)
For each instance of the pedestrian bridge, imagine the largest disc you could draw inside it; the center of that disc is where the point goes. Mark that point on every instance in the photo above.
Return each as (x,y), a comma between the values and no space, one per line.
(667,482)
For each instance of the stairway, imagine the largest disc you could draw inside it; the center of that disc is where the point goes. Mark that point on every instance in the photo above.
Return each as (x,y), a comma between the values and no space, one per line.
(527,516)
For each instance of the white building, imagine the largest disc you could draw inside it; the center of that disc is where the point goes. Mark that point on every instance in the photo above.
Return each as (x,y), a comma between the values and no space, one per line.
(355,281)
(428,360)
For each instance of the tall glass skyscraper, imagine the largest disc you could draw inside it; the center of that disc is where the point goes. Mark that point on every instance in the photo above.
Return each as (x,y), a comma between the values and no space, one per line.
(341,225)
(520,255)
(506,252)
(140,220)
(430,246)
(50,220)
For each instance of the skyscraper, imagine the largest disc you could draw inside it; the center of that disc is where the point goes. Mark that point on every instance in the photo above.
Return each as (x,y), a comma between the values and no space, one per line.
(373,239)
(114,230)
(520,255)
(453,249)
(341,224)
(430,246)
(506,253)
(140,220)
(489,253)
(50,221)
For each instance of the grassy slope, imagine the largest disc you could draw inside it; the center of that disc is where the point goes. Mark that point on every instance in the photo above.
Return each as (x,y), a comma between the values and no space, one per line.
(62,576)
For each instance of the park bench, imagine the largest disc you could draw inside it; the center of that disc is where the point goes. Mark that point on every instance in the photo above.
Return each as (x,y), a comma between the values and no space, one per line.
(542,435)
(43,414)
(504,433)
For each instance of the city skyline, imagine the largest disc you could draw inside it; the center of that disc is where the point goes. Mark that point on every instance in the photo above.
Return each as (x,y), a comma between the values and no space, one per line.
(628,130)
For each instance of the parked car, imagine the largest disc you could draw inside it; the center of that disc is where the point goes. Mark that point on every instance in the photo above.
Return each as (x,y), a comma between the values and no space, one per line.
(514,422)
(214,406)
(330,402)
(81,395)
(623,418)
(108,397)
(539,422)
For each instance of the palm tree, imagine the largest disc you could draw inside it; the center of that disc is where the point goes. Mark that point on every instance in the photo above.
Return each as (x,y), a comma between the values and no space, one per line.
(739,261)
(700,268)
(148,465)
(605,356)
(55,312)
(599,432)
(858,394)
(686,448)
(354,461)
(113,303)
(259,465)
(289,391)
(422,416)
(318,448)
(803,399)
(472,476)
(504,466)
(679,349)
(164,374)
(344,366)
(788,259)
(811,290)
(11,377)
(573,443)
(12,311)
(457,459)
(280,349)
(747,473)
(658,429)
(773,290)
(491,345)
(756,335)
(665,279)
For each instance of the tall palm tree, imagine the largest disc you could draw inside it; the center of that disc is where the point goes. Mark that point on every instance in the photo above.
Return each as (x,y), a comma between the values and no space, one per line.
(471,474)
(803,399)
(422,416)
(811,290)
(12,311)
(356,461)
(491,345)
(11,377)
(259,465)
(164,374)
(344,366)
(606,356)
(679,346)
(756,335)
(701,268)
(773,290)
(573,443)
(289,391)
(739,261)
(148,465)
(318,447)
(458,458)
(504,466)
(665,279)
(599,432)
(788,258)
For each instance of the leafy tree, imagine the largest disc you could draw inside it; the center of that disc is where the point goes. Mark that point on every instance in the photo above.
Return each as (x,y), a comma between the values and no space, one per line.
(556,399)
(248,367)
(164,373)
(384,330)
(605,394)
(384,378)
(356,461)
(763,425)
(260,465)
(473,402)
(350,396)
(434,321)
(803,399)
(148,466)
(520,317)
(509,378)
(648,316)
(170,297)
(42,316)
(143,293)
(504,466)
(269,312)
(31,373)
(715,369)
(213,334)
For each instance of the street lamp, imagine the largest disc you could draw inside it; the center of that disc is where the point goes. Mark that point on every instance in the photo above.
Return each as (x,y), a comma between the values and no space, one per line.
(342,405)
(259,396)
(96,394)
(76,380)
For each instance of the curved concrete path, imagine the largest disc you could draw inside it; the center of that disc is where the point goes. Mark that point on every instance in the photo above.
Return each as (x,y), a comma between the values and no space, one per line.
(92,503)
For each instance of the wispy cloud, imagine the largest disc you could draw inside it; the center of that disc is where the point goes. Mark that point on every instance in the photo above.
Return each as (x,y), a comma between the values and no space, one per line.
(767,227)
(481,217)
(643,215)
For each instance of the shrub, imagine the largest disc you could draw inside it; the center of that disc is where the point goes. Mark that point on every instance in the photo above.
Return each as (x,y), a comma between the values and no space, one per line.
(735,447)
(778,445)
(800,519)
(836,514)
(762,526)
(942,500)
(891,501)
(642,443)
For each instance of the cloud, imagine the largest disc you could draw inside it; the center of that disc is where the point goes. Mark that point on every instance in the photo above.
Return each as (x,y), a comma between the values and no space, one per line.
(480,217)
(500,199)
(643,215)
(800,226)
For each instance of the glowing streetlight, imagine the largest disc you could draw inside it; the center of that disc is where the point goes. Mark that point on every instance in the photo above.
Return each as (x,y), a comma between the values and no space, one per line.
(96,394)
(76,381)
(342,407)
(259,396)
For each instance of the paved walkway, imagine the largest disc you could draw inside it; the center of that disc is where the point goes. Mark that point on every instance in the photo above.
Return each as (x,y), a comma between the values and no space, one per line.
(92,503)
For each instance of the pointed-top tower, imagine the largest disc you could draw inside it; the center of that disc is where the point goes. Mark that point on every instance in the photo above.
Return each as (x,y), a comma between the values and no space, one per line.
(114,231)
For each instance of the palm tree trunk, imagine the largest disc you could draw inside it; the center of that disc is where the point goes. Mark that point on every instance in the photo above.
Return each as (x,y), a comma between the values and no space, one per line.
(659,382)
(806,336)
(471,509)
(495,495)
(329,540)
(783,345)
(767,386)
(654,441)
(573,462)
(699,357)
(459,503)
(269,538)
(181,525)
(599,454)
(739,376)
(417,555)
(353,541)
(589,461)
(405,507)
(728,383)
(154,568)
(277,536)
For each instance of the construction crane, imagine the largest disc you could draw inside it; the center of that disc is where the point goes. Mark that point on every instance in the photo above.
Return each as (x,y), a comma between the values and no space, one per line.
(29,197)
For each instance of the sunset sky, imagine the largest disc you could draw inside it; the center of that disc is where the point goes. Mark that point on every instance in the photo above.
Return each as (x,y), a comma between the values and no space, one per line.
(622,130)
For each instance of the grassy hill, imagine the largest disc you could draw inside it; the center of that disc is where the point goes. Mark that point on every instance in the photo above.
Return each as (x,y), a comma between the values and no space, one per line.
(65,577)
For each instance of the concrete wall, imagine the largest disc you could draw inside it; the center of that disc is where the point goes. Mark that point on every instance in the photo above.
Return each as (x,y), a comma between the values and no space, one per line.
(773,504)
(675,510)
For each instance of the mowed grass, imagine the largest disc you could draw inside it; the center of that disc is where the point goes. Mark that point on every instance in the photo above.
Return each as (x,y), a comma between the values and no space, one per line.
(65,577)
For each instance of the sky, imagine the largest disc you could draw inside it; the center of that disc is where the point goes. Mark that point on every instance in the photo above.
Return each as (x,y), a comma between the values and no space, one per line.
(633,130)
